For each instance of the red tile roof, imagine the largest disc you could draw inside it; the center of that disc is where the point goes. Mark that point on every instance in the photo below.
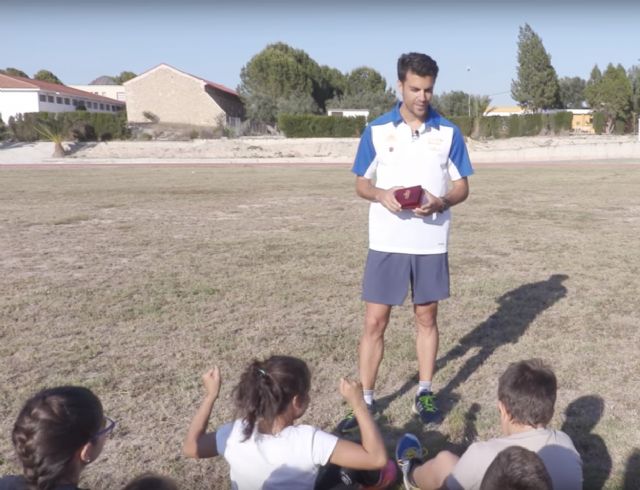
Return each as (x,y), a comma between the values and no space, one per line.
(9,81)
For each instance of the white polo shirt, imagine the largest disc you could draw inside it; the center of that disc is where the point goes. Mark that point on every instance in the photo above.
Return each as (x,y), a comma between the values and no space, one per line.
(392,155)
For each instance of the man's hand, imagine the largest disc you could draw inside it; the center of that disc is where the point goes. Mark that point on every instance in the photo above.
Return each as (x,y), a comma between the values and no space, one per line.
(387,198)
(430,204)
(351,391)
(211,381)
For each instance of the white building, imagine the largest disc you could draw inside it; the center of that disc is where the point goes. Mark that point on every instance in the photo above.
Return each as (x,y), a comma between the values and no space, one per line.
(348,113)
(115,92)
(22,95)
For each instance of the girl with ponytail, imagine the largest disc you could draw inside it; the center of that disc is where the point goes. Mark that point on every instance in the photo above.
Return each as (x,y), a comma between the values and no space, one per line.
(263,447)
(58,432)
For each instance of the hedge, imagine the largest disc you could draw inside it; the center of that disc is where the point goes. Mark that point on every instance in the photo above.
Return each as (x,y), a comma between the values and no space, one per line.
(77,125)
(311,126)
(465,123)
(598,122)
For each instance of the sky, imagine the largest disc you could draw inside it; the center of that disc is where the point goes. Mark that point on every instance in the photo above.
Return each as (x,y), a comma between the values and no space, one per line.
(474,42)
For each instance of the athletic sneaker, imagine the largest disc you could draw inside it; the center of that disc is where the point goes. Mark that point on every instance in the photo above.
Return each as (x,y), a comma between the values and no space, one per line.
(425,407)
(349,422)
(408,454)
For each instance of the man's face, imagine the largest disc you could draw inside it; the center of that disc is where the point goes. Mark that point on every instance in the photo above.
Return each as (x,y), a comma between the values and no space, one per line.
(417,93)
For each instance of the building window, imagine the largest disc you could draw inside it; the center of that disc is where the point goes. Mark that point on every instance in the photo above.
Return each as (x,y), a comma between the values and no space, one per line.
(67,101)
(50,98)
(75,102)
(43,98)
(102,107)
(58,100)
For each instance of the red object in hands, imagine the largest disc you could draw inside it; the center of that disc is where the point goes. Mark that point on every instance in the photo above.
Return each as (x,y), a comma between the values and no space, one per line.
(409,197)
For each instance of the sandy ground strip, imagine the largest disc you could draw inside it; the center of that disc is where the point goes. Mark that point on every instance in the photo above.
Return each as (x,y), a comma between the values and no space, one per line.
(315,151)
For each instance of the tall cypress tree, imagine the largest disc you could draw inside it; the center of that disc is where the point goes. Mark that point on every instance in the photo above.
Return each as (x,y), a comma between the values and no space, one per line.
(537,84)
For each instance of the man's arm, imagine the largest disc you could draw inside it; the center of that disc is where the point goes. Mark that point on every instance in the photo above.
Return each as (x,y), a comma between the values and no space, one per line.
(459,192)
(366,190)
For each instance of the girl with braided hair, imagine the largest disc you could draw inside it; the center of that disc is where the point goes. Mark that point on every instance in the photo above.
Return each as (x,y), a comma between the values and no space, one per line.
(57,433)
(265,449)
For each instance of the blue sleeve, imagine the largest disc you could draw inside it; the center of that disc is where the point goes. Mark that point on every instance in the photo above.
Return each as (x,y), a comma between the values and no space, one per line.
(366,153)
(458,154)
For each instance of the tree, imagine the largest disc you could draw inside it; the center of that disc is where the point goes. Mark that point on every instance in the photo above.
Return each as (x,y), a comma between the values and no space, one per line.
(365,88)
(332,83)
(14,72)
(610,93)
(124,76)
(572,92)
(278,72)
(3,129)
(47,76)
(634,77)
(537,84)
(459,103)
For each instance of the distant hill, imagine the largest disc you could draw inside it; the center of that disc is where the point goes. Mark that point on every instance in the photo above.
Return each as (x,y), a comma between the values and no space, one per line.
(104,80)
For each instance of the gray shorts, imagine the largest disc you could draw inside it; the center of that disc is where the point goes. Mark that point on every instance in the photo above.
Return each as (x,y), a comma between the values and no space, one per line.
(387,277)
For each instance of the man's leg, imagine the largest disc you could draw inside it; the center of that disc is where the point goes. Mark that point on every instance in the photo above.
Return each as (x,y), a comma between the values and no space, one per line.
(426,349)
(371,349)
(370,352)
(427,338)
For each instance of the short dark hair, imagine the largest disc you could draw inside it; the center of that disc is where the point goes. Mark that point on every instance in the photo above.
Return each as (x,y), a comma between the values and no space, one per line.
(516,468)
(50,429)
(267,387)
(419,63)
(527,389)
(151,481)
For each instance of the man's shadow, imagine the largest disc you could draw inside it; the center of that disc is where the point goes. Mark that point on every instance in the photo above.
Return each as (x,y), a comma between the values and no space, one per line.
(517,309)
(632,471)
(581,417)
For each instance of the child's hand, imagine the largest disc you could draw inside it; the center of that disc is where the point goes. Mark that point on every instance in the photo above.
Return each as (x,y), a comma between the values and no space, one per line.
(211,381)
(351,391)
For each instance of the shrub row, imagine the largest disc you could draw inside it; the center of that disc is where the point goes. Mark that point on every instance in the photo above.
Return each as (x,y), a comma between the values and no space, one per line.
(514,125)
(77,125)
(311,126)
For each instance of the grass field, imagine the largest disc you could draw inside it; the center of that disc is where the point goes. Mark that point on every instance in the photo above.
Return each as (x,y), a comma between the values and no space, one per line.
(133,280)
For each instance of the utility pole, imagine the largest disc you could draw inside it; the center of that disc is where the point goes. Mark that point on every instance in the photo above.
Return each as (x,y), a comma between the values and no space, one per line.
(469,102)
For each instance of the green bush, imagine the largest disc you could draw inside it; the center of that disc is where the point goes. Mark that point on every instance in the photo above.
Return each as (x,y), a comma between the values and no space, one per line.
(3,129)
(620,127)
(311,126)
(560,122)
(77,125)
(465,123)
(599,121)
(532,124)
(513,126)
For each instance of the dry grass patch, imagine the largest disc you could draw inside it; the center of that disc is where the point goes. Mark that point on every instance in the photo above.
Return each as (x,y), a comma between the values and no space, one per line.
(161,272)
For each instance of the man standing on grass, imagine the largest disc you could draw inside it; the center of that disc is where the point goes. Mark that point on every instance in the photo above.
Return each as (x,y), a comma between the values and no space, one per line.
(412,145)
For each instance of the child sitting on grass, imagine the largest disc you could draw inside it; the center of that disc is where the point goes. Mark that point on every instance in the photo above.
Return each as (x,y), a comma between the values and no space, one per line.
(58,432)
(264,448)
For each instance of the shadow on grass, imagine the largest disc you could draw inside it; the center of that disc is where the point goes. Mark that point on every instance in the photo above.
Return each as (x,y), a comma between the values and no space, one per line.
(517,309)
(632,471)
(581,417)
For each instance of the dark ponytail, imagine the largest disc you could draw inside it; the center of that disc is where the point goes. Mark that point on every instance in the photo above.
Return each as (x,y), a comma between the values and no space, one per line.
(267,387)
(51,427)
